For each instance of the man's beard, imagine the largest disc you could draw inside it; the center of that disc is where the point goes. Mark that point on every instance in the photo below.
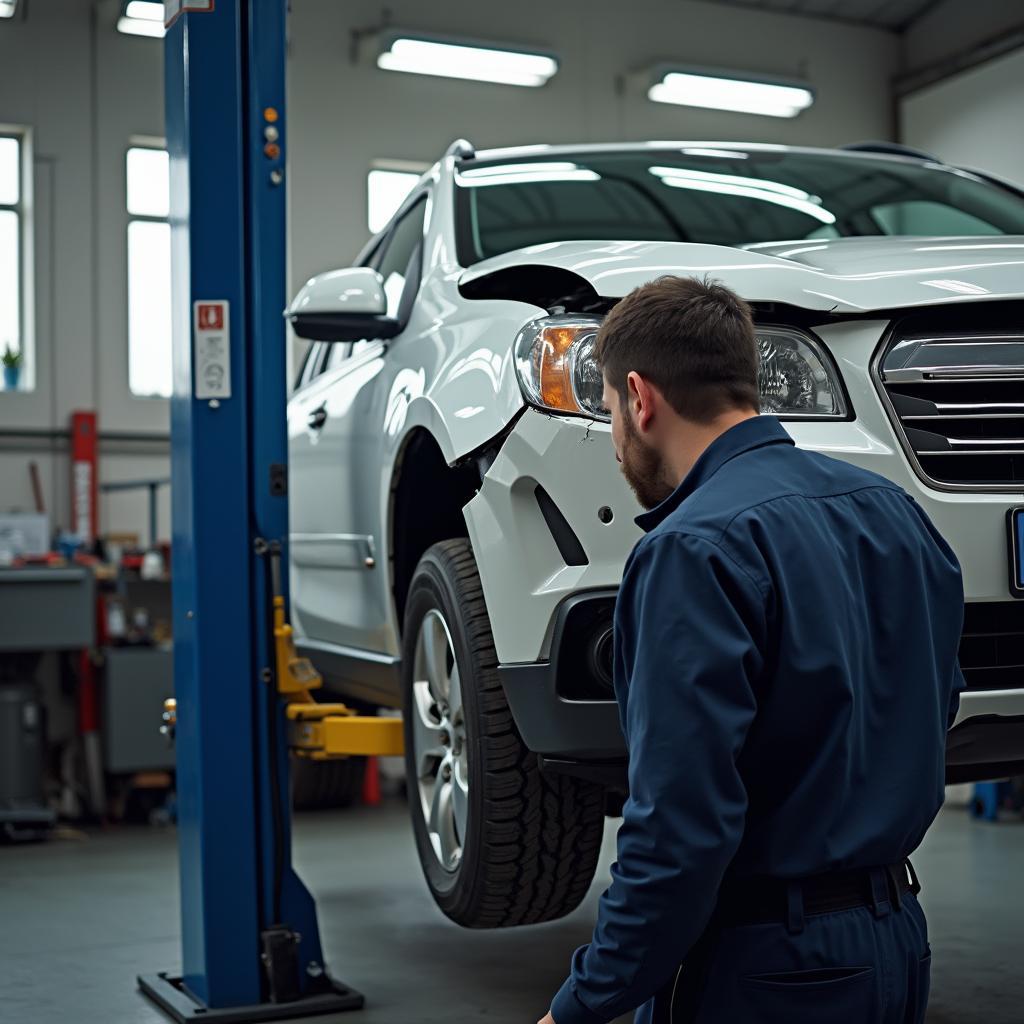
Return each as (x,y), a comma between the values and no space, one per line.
(643,468)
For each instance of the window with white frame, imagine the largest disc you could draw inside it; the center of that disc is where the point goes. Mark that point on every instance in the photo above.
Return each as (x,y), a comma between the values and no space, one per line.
(13,305)
(149,272)
(387,185)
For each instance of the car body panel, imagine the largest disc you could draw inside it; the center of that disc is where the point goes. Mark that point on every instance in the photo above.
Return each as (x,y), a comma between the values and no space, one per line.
(523,575)
(450,376)
(904,273)
(334,530)
(470,391)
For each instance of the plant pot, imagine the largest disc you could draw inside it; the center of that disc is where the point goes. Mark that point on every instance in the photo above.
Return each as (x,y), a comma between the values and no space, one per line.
(12,374)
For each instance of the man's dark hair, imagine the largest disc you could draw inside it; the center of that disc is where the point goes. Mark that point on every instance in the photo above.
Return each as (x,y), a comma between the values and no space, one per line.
(693,340)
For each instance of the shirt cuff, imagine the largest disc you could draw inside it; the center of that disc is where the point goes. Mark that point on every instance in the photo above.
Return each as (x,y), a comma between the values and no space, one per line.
(568,1008)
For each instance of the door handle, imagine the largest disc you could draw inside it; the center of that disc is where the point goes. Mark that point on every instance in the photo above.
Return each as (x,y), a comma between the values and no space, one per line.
(317,418)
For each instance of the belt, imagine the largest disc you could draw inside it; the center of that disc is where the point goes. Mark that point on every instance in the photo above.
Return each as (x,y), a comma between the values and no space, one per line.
(760,900)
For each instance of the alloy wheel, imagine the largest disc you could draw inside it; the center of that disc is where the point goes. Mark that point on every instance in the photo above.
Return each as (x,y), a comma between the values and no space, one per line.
(439,740)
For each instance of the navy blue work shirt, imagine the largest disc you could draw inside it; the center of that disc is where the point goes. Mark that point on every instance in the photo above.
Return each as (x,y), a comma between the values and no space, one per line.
(786,670)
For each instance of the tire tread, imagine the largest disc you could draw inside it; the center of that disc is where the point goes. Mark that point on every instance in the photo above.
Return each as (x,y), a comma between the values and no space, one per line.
(542,831)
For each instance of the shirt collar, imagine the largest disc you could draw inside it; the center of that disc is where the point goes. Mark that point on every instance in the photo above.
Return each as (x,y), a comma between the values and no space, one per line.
(747,435)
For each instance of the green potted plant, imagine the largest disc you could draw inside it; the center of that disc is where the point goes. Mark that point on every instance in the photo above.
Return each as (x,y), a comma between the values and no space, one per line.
(11,360)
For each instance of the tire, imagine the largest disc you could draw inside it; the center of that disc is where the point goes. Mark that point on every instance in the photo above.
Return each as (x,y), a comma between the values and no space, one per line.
(500,843)
(318,785)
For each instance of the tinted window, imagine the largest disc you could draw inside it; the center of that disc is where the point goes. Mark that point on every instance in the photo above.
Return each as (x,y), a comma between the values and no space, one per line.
(337,353)
(394,257)
(724,196)
(312,363)
(925,217)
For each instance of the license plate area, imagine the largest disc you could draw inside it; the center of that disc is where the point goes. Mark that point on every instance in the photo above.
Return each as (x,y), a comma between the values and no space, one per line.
(1015,521)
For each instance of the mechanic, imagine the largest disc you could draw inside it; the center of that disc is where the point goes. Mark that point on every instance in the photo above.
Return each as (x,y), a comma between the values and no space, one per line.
(786,670)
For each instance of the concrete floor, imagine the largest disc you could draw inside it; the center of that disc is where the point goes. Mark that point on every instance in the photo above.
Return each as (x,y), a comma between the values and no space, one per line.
(82,916)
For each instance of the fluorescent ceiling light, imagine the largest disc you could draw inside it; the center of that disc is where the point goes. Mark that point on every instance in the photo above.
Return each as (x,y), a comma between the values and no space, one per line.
(8,8)
(691,89)
(518,174)
(147,10)
(142,18)
(457,60)
(748,188)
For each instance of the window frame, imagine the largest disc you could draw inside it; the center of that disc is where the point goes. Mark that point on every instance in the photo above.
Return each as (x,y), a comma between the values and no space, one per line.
(22,210)
(150,143)
(375,258)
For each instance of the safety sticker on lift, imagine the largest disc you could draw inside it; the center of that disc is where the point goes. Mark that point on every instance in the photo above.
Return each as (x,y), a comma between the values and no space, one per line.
(212,352)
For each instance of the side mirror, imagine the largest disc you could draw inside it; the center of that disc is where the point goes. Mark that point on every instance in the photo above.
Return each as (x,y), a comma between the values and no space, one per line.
(342,305)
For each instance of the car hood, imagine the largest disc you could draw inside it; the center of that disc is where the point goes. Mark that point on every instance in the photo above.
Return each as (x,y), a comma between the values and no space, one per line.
(838,275)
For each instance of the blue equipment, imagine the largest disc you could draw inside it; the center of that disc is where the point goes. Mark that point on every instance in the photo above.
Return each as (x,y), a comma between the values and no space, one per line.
(250,939)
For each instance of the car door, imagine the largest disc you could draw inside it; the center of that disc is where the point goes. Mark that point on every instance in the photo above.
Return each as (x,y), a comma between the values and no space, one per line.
(340,589)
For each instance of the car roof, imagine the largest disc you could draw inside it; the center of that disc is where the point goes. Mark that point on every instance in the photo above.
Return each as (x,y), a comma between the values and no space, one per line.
(565,149)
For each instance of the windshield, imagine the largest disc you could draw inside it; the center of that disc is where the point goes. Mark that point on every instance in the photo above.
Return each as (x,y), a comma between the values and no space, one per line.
(728,196)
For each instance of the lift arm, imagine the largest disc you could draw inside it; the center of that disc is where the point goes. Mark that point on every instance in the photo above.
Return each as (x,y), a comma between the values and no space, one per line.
(320,732)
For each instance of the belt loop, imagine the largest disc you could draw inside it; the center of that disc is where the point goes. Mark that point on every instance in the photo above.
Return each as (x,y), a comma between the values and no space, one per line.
(880,904)
(794,908)
(893,872)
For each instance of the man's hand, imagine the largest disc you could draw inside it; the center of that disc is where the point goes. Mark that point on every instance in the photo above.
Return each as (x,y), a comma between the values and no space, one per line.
(548,1019)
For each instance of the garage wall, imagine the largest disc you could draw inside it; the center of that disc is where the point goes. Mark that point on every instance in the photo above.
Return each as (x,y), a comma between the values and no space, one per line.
(964,119)
(84,91)
(343,116)
(951,27)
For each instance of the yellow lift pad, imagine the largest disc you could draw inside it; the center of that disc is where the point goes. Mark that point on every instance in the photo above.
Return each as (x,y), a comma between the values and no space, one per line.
(322,732)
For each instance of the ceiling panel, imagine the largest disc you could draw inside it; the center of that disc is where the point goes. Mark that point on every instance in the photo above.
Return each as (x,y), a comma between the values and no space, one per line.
(894,15)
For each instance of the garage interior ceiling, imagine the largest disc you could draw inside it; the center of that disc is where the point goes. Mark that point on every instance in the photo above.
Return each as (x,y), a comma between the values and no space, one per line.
(894,15)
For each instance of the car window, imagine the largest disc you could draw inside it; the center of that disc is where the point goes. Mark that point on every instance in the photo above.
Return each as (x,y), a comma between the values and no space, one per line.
(923,217)
(337,353)
(394,257)
(312,364)
(722,195)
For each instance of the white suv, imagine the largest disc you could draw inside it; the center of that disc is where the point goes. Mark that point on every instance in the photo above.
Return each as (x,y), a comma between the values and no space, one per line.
(460,524)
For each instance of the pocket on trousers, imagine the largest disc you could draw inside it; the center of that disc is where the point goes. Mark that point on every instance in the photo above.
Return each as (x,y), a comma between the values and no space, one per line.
(917,1002)
(825,995)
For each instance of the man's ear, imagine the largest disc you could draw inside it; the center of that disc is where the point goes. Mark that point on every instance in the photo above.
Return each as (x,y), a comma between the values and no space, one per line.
(641,400)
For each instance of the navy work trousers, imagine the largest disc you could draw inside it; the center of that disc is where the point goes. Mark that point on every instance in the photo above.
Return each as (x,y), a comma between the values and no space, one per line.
(860,966)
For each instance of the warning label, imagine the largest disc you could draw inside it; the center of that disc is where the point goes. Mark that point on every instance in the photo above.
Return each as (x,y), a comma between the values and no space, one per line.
(211,316)
(211,361)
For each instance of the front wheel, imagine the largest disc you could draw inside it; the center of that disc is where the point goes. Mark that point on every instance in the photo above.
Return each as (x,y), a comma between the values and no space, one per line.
(500,842)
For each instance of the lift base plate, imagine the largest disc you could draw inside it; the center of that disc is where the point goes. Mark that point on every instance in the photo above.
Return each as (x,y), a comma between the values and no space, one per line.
(175,1000)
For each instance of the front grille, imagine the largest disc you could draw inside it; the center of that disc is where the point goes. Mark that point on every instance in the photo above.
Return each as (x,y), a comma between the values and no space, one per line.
(992,645)
(954,382)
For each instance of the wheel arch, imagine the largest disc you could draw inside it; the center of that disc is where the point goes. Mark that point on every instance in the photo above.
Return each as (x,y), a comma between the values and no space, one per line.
(425,504)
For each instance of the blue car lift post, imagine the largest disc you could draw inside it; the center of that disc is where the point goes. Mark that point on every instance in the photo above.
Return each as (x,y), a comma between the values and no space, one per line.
(250,940)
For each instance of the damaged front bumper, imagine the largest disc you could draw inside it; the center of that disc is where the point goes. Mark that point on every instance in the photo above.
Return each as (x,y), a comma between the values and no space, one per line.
(552,527)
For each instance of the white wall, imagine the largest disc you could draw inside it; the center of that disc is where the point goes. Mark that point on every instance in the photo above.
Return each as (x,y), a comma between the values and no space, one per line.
(343,116)
(84,90)
(975,119)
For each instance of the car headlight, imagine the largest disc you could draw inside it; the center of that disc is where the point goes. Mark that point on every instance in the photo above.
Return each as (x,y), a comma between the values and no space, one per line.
(557,370)
(556,366)
(795,377)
